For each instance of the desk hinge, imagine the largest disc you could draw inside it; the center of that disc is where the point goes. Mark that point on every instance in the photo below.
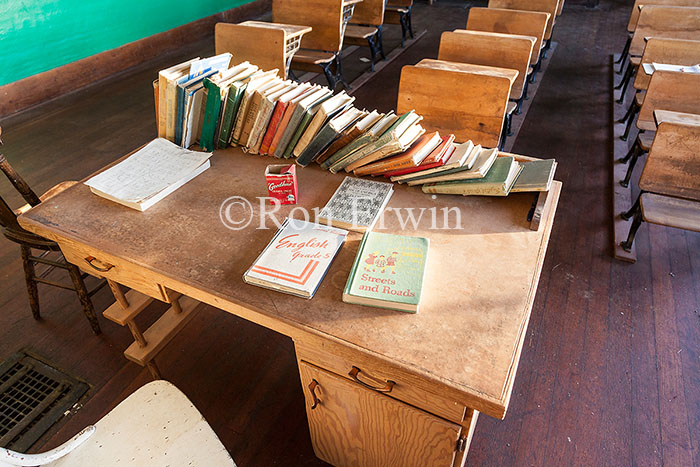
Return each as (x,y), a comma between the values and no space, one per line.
(461,443)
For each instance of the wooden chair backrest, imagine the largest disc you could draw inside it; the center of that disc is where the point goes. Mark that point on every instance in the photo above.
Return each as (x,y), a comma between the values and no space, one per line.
(467,100)
(547,6)
(489,49)
(666,22)
(669,90)
(324,16)
(667,51)
(264,47)
(8,217)
(369,12)
(505,21)
(673,163)
(634,16)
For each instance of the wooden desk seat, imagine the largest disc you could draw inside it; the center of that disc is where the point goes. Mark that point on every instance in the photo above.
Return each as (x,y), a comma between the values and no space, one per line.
(328,20)
(366,29)
(638,4)
(666,51)
(672,212)
(491,49)
(669,184)
(267,45)
(467,100)
(547,6)
(660,21)
(683,118)
(399,12)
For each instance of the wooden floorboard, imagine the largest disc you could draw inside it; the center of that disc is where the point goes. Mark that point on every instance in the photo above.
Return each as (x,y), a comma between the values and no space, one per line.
(610,369)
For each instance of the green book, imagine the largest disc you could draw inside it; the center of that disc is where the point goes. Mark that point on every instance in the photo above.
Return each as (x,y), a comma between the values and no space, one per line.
(497,182)
(233,102)
(388,272)
(328,133)
(211,115)
(365,138)
(536,176)
(298,114)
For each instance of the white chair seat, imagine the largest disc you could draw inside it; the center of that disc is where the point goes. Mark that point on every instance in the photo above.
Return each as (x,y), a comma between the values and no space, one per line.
(155,426)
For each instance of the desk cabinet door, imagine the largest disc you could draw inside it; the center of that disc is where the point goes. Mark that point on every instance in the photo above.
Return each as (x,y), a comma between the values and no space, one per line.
(354,426)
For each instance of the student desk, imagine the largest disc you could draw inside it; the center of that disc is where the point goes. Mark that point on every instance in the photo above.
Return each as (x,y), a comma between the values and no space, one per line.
(382,387)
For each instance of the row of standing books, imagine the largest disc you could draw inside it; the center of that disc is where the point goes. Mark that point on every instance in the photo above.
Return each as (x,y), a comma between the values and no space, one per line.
(204,101)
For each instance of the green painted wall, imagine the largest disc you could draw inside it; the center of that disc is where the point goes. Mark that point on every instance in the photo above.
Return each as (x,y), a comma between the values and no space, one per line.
(38,35)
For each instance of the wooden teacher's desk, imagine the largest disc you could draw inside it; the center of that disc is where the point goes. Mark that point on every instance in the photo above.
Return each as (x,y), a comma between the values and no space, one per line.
(382,387)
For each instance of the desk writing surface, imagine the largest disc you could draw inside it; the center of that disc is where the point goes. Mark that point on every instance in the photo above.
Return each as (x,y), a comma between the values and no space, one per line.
(478,292)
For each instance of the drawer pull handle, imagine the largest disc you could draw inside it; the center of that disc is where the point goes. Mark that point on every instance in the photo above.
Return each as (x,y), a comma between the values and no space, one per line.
(388,384)
(90,260)
(312,387)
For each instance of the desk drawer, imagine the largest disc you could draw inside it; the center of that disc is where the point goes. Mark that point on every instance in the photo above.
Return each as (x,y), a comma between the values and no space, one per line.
(377,375)
(101,264)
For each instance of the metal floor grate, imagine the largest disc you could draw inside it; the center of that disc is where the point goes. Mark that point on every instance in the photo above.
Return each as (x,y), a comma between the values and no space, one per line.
(33,396)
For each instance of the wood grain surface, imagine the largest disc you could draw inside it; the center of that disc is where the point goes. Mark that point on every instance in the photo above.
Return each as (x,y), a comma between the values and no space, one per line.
(666,51)
(547,6)
(669,90)
(667,22)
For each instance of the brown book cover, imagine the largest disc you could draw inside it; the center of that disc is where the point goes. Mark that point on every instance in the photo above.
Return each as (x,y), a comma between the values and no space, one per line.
(349,135)
(410,158)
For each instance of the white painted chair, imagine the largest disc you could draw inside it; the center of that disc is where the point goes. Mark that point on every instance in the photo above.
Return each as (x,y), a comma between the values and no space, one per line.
(156,426)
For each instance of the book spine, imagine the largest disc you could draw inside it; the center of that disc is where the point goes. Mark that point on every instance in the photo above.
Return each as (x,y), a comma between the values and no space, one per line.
(251,117)
(227,119)
(383,151)
(179,115)
(156,97)
(260,126)
(356,263)
(297,135)
(322,139)
(211,114)
(272,127)
(309,133)
(396,173)
(162,85)
(170,110)
(281,129)
(384,166)
(452,188)
(338,144)
(289,131)
(240,119)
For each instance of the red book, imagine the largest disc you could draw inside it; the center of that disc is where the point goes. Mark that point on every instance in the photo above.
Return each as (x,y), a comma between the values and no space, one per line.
(276,118)
(438,157)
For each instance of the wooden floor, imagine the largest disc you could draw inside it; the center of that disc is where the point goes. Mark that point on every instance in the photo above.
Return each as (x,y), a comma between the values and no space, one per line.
(610,371)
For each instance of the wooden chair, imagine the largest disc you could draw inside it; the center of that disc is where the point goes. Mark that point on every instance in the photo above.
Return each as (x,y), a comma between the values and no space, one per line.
(667,51)
(399,12)
(267,45)
(157,425)
(322,47)
(28,242)
(634,17)
(546,6)
(666,22)
(505,21)
(491,49)
(667,90)
(467,100)
(366,28)
(669,184)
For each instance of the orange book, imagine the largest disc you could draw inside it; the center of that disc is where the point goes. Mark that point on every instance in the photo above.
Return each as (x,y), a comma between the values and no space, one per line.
(289,110)
(280,106)
(438,157)
(410,158)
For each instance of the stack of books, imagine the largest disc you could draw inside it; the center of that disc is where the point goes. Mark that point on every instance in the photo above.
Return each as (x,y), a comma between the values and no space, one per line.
(207,102)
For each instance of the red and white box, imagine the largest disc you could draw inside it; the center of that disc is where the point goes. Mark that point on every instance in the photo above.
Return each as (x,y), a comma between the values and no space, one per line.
(282,183)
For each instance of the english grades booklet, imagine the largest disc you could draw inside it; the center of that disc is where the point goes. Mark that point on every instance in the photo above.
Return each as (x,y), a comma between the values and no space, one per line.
(297,258)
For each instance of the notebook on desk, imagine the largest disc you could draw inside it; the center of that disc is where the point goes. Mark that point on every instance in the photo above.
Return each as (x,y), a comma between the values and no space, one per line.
(149,175)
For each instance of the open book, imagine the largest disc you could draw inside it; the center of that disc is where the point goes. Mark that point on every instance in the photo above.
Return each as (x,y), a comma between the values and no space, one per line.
(149,175)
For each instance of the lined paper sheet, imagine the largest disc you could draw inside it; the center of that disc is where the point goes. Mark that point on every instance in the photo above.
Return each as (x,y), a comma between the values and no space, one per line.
(148,171)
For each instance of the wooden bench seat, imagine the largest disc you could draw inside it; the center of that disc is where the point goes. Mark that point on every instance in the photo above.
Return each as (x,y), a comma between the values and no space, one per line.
(399,12)
(673,212)
(312,57)
(366,36)
(353,31)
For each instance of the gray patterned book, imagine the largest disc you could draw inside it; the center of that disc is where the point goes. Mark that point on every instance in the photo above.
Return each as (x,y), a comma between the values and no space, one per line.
(356,204)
